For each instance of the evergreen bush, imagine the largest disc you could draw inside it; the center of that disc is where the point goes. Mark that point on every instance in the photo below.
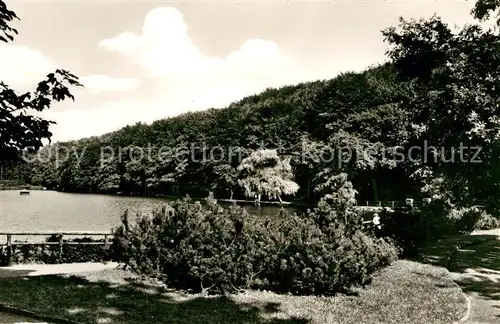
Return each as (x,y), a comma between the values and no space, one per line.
(206,248)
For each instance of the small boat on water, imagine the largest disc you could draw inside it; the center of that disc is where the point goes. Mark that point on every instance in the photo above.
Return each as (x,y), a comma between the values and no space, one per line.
(24,192)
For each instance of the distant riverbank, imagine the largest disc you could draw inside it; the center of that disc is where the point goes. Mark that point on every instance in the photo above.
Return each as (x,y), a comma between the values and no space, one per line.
(29,187)
(174,198)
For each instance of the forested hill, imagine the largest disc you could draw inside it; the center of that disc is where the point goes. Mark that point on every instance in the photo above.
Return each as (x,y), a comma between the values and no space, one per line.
(282,114)
(291,119)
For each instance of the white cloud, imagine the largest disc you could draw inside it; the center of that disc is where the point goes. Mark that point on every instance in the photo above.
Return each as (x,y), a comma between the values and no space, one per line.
(166,52)
(126,43)
(100,83)
(22,67)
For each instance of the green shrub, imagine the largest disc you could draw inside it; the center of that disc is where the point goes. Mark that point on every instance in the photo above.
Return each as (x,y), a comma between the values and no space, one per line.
(195,247)
(468,219)
(327,250)
(52,254)
(310,260)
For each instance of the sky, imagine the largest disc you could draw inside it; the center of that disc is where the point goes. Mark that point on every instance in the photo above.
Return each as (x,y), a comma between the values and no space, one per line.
(146,60)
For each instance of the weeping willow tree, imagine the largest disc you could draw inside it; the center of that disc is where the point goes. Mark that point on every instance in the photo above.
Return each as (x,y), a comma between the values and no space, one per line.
(264,173)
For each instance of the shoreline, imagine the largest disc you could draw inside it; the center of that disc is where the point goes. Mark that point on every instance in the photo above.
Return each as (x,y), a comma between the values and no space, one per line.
(28,187)
(170,197)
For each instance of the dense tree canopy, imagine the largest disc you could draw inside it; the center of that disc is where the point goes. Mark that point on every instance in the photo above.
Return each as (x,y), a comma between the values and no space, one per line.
(452,102)
(484,9)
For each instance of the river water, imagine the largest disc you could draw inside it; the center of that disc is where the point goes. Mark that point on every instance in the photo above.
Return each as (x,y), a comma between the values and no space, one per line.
(58,211)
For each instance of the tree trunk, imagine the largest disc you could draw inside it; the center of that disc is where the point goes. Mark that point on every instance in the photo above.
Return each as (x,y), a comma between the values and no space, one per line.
(279,197)
(308,188)
(374,188)
(231,198)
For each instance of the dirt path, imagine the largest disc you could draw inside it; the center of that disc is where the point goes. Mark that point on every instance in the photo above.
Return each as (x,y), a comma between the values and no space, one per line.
(29,270)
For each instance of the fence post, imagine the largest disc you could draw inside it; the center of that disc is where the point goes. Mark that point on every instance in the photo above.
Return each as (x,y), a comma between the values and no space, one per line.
(9,250)
(60,248)
(104,254)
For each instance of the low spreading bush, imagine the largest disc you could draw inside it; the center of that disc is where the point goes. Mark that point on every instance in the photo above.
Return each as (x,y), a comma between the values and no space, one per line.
(208,248)
(193,247)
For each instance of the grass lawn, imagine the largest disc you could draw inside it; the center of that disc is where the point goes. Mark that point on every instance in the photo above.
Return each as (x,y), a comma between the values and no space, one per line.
(406,292)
